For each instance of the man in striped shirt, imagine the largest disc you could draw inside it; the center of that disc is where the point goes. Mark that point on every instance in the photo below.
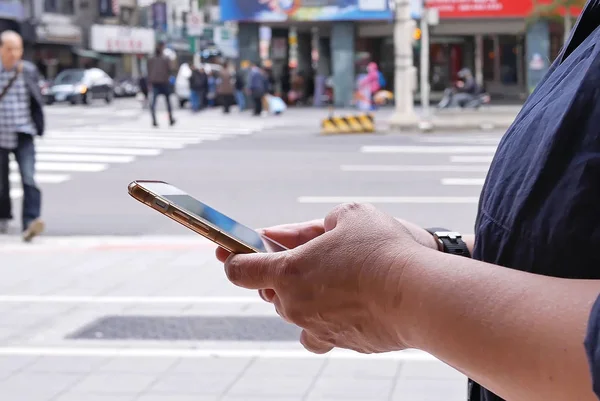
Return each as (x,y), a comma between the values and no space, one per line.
(21,119)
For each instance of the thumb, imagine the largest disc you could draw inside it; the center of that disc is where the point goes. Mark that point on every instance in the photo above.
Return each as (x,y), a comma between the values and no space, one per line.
(255,271)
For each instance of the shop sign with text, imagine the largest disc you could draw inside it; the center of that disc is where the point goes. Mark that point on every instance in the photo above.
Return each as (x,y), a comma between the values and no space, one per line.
(119,39)
(485,8)
(305,10)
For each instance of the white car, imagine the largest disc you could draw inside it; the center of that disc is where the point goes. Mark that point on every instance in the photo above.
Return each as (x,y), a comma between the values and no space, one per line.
(182,81)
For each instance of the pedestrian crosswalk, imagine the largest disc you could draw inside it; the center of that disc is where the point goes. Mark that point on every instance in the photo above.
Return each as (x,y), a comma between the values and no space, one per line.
(61,153)
(442,169)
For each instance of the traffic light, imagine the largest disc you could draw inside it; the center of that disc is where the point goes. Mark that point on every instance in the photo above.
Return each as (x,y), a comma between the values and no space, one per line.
(417,34)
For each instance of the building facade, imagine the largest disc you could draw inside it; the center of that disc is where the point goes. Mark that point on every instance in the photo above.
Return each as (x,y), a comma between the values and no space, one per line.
(496,39)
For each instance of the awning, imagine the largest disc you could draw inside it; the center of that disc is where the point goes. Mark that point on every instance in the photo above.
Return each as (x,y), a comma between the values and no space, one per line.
(86,53)
(95,55)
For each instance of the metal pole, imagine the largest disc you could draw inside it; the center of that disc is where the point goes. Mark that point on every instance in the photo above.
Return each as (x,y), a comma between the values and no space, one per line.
(404,116)
(425,61)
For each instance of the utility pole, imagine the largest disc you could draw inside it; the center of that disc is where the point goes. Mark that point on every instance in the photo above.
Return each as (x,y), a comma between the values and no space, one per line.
(404,115)
(425,61)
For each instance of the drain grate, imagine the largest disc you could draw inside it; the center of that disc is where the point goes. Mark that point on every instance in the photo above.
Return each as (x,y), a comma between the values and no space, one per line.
(187,328)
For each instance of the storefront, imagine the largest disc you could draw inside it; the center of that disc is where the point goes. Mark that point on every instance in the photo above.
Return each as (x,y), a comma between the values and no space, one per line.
(13,16)
(57,36)
(496,40)
(121,48)
(317,39)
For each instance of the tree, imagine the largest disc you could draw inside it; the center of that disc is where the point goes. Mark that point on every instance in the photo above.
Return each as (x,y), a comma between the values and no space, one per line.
(558,10)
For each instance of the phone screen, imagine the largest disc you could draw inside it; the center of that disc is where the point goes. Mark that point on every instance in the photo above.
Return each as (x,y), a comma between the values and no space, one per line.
(225,224)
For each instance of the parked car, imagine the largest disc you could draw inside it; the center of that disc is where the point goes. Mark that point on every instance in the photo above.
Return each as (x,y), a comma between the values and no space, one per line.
(45,90)
(126,87)
(182,81)
(81,86)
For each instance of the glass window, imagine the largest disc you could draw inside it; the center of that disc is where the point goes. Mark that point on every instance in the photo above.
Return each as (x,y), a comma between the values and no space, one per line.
(69,77)
(68,7)
(50,6)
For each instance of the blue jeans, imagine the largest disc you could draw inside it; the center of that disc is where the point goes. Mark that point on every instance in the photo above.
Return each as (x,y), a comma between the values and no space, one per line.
(32,196)
(240,98)
(160,89)
(196,100)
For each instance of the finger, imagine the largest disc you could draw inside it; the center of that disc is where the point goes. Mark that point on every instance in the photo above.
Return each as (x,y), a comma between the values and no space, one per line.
(222,254)
(256,271)
(313,344)
(267,295)
(293,235)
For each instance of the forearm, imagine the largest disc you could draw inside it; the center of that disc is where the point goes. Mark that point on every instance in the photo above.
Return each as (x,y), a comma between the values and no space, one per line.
(518,334)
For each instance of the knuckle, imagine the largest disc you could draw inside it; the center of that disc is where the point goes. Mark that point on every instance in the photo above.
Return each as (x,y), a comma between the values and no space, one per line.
(295,316)
(233,270)
(289,268)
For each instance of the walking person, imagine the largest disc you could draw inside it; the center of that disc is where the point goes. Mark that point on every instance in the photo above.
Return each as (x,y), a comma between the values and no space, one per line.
(240,84)
(198,86)
(258,87)
(225,88)
(159,73)
(21,119)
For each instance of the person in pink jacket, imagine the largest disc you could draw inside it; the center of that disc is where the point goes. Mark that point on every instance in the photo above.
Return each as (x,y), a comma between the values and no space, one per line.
(371,81)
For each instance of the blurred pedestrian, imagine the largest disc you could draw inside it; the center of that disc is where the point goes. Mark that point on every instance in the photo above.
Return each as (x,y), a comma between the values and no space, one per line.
(198,85)
(159,74)
(258,88)
(21,119)
(225,88)
(143,83)
(371,82)
(240,84)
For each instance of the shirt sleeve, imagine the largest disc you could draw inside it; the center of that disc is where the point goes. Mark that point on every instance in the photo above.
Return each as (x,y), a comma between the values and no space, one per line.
(592,346)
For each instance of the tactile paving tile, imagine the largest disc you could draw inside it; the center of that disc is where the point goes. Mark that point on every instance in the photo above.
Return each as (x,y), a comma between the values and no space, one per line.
(187,328)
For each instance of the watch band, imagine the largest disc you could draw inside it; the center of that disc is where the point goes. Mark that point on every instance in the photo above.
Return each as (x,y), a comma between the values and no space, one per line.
(450,241)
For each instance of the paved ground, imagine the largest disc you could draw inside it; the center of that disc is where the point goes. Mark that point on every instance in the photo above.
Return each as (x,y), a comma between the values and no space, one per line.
(118,303)
(238,349)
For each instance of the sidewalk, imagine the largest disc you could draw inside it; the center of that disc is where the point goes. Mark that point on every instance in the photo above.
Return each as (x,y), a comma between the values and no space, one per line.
(154,318)
(309,119)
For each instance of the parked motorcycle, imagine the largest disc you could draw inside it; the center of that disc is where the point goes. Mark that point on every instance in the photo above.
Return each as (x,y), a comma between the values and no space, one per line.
(481,98)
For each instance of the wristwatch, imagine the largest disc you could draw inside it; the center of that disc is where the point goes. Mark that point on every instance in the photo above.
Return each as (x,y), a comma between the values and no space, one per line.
(450,241)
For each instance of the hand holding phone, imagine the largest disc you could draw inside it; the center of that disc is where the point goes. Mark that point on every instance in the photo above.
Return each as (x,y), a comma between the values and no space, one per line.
(201,218)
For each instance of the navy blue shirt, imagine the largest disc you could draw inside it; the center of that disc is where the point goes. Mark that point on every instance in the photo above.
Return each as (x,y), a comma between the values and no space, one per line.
(540,206)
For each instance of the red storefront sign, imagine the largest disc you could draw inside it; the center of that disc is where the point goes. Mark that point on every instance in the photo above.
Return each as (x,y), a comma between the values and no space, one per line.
(484,8)
(124,45)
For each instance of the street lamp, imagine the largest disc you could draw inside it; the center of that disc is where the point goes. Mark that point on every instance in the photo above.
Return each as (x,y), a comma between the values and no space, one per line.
(404,76)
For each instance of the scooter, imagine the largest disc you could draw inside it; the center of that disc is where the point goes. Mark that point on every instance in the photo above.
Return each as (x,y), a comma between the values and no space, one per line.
(480,99)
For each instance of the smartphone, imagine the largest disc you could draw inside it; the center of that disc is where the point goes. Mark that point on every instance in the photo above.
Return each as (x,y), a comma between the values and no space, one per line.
(201,218)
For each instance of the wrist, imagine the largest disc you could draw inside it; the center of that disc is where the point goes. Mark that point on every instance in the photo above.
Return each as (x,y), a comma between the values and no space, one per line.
(414,310)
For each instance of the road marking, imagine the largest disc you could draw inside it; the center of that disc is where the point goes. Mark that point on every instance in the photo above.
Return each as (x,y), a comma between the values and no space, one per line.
(471,159)
(124,137)
(224,129)
(412,168)
(428,149)
(97,150)
(59,299)
(390,199)
(57,157)
(50,166)
(481,141)
(198,353)
(111,142)
(16,193)
(463,181)
(74,133)
(15,178)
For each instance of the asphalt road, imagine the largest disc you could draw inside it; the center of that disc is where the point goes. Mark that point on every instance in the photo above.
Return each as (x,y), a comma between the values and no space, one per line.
(260,171)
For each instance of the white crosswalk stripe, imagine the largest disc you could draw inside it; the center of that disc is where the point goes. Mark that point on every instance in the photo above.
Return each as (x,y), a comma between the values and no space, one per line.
(62,153)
